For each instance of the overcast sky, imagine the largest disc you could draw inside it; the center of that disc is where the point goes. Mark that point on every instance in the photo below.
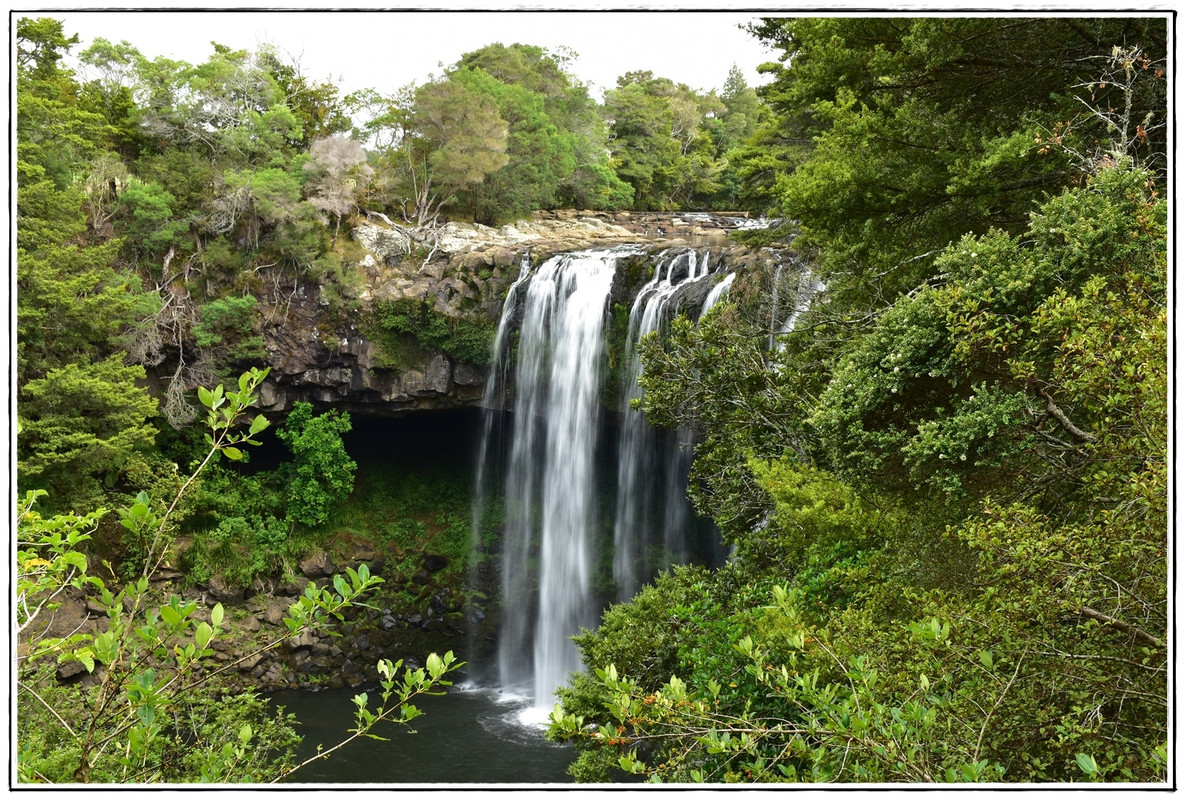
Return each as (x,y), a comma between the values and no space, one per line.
(385,50)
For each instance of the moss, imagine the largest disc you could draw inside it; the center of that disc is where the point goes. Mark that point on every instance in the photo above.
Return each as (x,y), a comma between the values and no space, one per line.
(403,329)
(615,356)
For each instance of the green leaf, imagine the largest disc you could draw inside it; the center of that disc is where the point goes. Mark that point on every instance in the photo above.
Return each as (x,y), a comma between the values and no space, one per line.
(203,634)
(1087,763)
(85,656)
(75,559)
(206,398)
(233,453)
(216,615)
(170,616)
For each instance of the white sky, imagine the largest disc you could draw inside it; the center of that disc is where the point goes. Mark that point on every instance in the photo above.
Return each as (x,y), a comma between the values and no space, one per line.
(384,50)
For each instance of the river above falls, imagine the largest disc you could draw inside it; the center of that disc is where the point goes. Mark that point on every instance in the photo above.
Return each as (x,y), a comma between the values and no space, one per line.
(468,736)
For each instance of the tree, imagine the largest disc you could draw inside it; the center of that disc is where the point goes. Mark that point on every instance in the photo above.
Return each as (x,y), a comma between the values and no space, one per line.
(539,156)
(78,425)
(151,711)
(659,141)
(583,178)
(916,133)
(972,511)
(337,175)
(321,473)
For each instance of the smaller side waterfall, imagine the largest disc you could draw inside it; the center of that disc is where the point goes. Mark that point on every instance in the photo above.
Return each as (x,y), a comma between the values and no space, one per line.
(808,287)
(651,511)
(719,292)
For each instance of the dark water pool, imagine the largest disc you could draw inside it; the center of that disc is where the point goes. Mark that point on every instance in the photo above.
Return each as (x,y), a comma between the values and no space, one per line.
(469,736)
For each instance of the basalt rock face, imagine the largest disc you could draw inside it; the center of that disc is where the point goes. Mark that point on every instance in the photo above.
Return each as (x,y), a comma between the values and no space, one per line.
(320,354)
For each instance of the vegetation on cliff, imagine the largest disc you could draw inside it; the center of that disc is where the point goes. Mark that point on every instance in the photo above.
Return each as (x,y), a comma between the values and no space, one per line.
(946,488)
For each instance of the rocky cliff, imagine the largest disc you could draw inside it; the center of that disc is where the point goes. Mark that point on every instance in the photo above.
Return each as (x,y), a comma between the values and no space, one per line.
(330,357)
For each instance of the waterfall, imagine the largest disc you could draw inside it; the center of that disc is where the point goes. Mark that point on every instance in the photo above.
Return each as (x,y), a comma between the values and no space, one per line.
(773,314)
(550,482)
(651,512)
(808,287)
(542,456)
(718,292)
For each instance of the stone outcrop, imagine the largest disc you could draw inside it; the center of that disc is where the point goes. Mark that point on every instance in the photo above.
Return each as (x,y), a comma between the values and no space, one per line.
(321,354)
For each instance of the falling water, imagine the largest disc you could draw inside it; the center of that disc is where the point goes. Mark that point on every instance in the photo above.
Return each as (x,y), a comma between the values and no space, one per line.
(493,403)
(808,287)
(550,483)
(773,314)
(646,504)
(717,293)
(545,461)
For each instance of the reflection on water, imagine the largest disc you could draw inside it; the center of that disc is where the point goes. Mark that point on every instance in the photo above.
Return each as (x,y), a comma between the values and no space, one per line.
(467,736)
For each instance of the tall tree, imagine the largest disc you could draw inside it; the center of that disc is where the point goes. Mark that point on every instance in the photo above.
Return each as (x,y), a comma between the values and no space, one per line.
(928,128)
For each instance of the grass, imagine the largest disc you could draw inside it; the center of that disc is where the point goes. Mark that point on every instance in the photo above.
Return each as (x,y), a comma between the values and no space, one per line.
(412,512)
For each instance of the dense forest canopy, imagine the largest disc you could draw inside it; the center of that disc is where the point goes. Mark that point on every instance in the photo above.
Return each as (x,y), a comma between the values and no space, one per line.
(946,488)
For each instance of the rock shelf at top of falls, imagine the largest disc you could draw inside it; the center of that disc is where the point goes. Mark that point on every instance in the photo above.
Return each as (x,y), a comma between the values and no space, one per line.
(318,348)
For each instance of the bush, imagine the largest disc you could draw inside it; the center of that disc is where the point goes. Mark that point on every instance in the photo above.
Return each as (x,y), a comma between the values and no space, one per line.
(396,324)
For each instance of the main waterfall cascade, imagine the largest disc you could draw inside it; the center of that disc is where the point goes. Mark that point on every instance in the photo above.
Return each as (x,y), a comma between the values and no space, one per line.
(542,456)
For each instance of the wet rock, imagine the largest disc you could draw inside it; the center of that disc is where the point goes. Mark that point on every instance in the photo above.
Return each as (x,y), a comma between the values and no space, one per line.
(316,665)
(423,577)
(443,601)
(250,624)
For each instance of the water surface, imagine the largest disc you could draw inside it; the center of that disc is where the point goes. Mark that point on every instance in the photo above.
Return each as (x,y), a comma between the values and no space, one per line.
(469,736)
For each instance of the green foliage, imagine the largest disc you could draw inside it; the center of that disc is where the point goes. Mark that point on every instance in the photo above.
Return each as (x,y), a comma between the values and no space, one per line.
(970,521)
(464,132)
(71,303)
(78,426)
(925,128)
(321,473)
(464,339)
(152,223)
(671,143)
(150,710)
(226,326)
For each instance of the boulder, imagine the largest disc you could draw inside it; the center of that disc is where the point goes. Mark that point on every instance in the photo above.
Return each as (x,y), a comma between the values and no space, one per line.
(69,671)
(275,612)
(224,592)
(435,563)
(316,565)
(304,641)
